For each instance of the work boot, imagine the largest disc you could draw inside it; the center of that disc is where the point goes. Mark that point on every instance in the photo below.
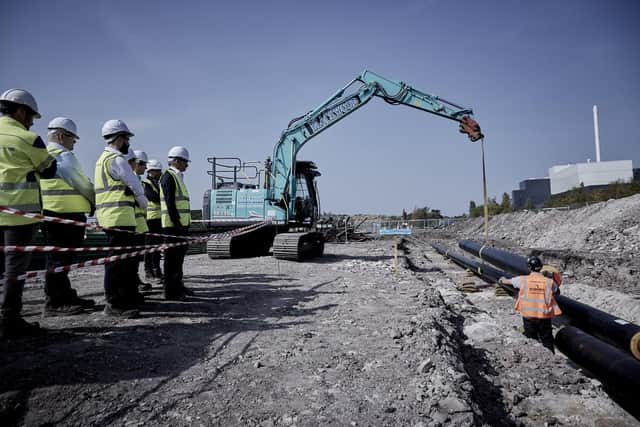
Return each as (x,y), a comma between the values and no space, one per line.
(65,309)
(85,303)
(124,313)
(16,327)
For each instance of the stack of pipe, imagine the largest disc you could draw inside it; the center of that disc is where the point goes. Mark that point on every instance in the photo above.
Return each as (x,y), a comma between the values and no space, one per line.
(618,370)
(618,332)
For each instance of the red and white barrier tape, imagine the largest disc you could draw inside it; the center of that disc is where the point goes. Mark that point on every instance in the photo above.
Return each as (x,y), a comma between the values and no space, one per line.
(32,215)
(113,258)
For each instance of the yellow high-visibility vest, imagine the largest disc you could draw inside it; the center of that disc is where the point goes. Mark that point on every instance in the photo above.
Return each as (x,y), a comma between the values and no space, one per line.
(153,208)
(20,164)
(182,203)
(141,219)
(113,207)
(58,195)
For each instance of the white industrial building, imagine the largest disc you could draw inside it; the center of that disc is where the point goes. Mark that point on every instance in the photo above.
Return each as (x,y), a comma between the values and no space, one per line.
(565,177)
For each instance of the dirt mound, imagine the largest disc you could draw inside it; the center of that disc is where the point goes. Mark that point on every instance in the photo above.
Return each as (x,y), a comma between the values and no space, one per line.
(597,244)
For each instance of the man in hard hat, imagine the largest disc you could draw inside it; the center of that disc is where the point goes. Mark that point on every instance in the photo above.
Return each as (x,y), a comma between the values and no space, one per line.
(139,165)
(117,192)
(68,195)
(176,217)
(24,159)
(536,302)
(154,218)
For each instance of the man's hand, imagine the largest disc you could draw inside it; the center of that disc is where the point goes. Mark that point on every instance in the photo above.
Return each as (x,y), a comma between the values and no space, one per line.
(501,280)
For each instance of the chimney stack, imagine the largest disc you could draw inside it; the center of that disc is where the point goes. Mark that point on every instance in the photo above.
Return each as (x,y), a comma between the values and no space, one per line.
(596,130)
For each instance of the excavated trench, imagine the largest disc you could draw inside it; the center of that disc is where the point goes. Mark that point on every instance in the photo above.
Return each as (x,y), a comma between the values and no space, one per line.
(479,392)
(485,373)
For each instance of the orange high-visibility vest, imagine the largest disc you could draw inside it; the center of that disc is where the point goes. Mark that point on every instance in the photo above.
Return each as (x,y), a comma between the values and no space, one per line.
(535,298)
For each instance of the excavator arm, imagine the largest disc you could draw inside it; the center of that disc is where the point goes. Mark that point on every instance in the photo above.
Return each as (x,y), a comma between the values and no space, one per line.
(339,106)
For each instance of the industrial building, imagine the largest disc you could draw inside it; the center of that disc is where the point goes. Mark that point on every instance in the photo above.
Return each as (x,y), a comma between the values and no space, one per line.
(534,190)
(565,177)
(562,178)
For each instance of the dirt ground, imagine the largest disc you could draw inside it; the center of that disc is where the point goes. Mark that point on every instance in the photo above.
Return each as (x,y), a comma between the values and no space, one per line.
(341,340)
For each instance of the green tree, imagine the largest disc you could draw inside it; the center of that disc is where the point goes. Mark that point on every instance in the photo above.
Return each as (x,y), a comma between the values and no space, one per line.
(505,205)
(528,204)
(472,208)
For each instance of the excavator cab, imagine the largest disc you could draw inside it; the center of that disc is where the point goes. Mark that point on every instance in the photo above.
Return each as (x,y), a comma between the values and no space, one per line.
(306,202)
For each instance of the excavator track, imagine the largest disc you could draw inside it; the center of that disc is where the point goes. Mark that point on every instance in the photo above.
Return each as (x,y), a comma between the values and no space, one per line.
(249,244)
(298,246)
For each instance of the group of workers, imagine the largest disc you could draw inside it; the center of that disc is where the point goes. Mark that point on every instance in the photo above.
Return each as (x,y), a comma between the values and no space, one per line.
(47,178)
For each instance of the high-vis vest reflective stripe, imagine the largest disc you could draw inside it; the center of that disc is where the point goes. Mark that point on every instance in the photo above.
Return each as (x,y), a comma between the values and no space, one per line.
(182,203)
(535,298)
(20,163)
(153,208)
(141,219)
(113,207)
(59,196)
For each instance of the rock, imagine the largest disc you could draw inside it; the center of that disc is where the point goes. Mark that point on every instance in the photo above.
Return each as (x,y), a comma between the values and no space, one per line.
(257,364)
(453,405)
(425,366)
(396,334)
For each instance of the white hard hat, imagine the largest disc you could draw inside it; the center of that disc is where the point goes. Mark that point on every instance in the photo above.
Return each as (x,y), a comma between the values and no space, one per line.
(140,156)
(154,164)
(64,123)
(180,152)
(111,128)
(129,156)
(22,97)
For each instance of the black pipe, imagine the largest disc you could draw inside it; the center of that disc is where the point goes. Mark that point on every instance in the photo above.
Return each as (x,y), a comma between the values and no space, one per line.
(616,331)
(485,271)
(618,371)
(502,259)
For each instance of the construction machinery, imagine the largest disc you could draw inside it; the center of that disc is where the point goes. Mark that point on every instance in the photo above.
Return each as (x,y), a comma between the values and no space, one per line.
(282,190)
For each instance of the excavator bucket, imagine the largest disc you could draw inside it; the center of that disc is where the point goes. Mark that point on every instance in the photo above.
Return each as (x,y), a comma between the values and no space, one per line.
(471,128)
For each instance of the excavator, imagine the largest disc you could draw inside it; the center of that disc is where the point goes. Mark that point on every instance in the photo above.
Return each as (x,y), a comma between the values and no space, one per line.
(282,192)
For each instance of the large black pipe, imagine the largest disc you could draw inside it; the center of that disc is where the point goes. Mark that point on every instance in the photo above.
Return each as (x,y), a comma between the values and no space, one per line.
(485,271)
(616,331)
(507,261)
(617,370)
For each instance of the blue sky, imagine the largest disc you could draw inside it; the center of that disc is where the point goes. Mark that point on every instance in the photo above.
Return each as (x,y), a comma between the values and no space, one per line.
(224,78)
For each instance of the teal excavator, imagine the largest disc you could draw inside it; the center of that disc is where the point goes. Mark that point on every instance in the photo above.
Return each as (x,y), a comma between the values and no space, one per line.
(282,192)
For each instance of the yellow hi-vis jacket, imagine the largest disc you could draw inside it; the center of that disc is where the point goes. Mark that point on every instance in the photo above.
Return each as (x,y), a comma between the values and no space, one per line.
(535,298)
(141,219)
(59,196)
(153,208)
(182,203)
(20,163)
(113,207)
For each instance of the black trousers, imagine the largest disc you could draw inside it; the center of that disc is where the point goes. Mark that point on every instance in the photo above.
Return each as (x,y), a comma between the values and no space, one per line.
(57,286)
(152,260)
(173,260)
(14,264)
(120,280)
(539,329)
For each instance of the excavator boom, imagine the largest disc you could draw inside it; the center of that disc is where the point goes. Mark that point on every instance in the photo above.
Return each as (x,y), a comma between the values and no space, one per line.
(339,106)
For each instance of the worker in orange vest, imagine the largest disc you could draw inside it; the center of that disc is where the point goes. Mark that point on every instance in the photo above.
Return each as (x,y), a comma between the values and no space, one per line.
(536,302)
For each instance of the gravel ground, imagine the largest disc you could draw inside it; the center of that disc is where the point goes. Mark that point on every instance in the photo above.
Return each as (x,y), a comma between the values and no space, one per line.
(342,340)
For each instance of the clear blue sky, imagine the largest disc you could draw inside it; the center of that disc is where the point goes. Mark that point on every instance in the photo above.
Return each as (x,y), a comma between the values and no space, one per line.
(224,78)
